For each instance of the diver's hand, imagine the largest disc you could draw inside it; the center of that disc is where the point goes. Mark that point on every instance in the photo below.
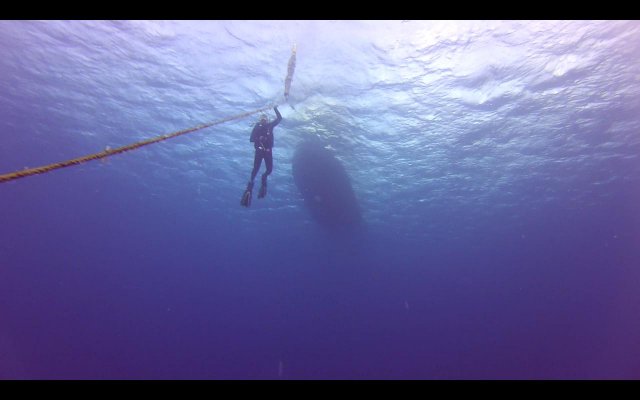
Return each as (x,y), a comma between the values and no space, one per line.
(275,108)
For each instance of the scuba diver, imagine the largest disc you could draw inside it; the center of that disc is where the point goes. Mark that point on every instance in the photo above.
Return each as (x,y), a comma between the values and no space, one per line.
(262,139)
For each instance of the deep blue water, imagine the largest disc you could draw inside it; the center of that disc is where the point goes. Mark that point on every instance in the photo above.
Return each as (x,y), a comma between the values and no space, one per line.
(495,164)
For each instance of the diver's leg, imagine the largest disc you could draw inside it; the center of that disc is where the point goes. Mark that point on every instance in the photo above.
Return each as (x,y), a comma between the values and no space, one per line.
(257,161)
(268,160)
(246,196)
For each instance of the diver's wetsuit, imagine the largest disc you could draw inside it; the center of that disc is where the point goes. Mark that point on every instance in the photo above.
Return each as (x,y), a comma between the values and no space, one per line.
(262,138)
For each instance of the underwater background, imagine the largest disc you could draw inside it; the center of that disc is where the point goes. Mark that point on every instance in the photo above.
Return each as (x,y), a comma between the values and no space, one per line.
(495,166)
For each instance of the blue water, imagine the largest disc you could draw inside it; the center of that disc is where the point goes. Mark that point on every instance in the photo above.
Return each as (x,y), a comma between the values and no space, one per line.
(496,166)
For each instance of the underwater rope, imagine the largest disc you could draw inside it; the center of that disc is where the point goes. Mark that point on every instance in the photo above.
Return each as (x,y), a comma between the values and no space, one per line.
(291,67)
(109,152)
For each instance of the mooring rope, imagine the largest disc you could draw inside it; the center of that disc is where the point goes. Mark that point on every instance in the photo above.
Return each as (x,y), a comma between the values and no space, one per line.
(291,67)
(109,152)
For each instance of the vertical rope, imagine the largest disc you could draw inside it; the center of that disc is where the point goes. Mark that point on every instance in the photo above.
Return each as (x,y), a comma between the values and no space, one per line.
(291,67)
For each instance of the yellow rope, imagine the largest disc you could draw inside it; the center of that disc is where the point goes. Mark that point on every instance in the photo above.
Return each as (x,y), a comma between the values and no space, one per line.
(110,152)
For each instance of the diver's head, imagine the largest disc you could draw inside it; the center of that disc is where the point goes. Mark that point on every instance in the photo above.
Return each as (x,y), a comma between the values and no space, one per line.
(263,118)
